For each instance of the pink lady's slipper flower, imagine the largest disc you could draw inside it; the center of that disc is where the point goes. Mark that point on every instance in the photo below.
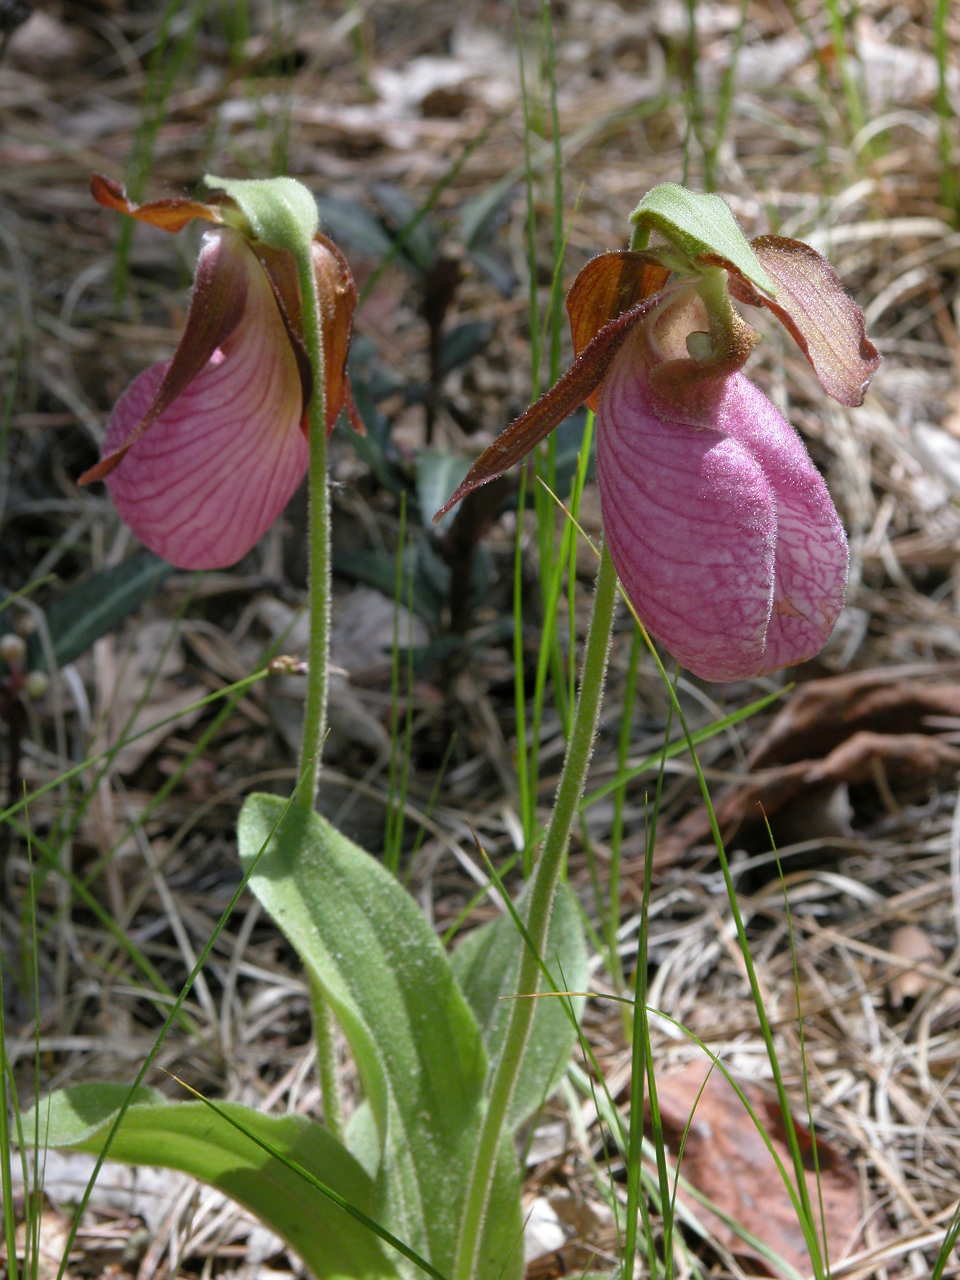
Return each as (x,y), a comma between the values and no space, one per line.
(203,452)
(722,531)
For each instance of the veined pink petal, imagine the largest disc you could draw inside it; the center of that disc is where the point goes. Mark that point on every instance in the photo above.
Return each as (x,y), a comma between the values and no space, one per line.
(220,284)
(691,524)
(723,534)
(221,461)
(812,555)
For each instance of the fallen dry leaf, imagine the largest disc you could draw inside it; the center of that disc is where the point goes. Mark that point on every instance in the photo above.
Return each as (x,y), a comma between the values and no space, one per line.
(910,942)
(40,1246)
(151,687)
(726,1160)
(822,713)
(868,727)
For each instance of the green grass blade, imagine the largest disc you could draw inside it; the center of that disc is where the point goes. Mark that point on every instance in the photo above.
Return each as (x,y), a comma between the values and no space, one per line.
(946,117)
(678,746)
(804,1210)
(950,1241)
(166,63)
(76,770)
(846,65)
(610,911)
(526,786)
(399,763)
(8,1106)
(555,308)
(149,1059)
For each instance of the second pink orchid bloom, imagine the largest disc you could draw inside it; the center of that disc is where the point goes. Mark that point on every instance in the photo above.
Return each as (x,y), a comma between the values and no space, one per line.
(204,451)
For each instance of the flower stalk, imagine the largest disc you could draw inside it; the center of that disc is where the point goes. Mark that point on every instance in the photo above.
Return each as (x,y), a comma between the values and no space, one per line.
(318,544)
(318,644)
(546,877)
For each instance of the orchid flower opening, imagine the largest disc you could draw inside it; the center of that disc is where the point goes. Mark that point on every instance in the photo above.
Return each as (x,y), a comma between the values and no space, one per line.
(203,452)
(722,531)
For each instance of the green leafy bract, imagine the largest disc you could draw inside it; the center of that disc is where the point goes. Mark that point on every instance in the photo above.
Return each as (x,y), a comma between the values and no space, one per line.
(280,211)
(701,226)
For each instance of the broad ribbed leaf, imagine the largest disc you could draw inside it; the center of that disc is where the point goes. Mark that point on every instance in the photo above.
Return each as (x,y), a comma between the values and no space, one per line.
(193,1138)
(416,1043)
(486,964)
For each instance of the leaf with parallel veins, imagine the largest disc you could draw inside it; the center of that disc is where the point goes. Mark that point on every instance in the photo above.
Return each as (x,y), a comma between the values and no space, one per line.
(699,229)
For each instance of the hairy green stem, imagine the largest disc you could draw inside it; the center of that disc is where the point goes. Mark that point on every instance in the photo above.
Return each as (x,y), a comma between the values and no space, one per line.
(546,877)
(318,543)
(318,645)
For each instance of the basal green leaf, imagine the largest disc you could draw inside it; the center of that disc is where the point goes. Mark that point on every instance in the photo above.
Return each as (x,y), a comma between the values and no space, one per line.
(353,225)
(413,231)
(700,225)
(482,218)
(191,1137)
(502,1255)
(486,964)
(382,969)
(362,1138)
(379,569)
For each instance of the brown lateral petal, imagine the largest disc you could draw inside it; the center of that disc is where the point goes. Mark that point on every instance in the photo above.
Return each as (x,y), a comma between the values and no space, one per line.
(607,286)
(572,390)
(216,307)
(280,268)
(353,413)
(169,215)
(820,316)
(338,298)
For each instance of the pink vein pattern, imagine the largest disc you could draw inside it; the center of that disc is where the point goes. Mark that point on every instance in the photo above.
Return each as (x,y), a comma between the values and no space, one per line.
(218,466)
(722,530)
